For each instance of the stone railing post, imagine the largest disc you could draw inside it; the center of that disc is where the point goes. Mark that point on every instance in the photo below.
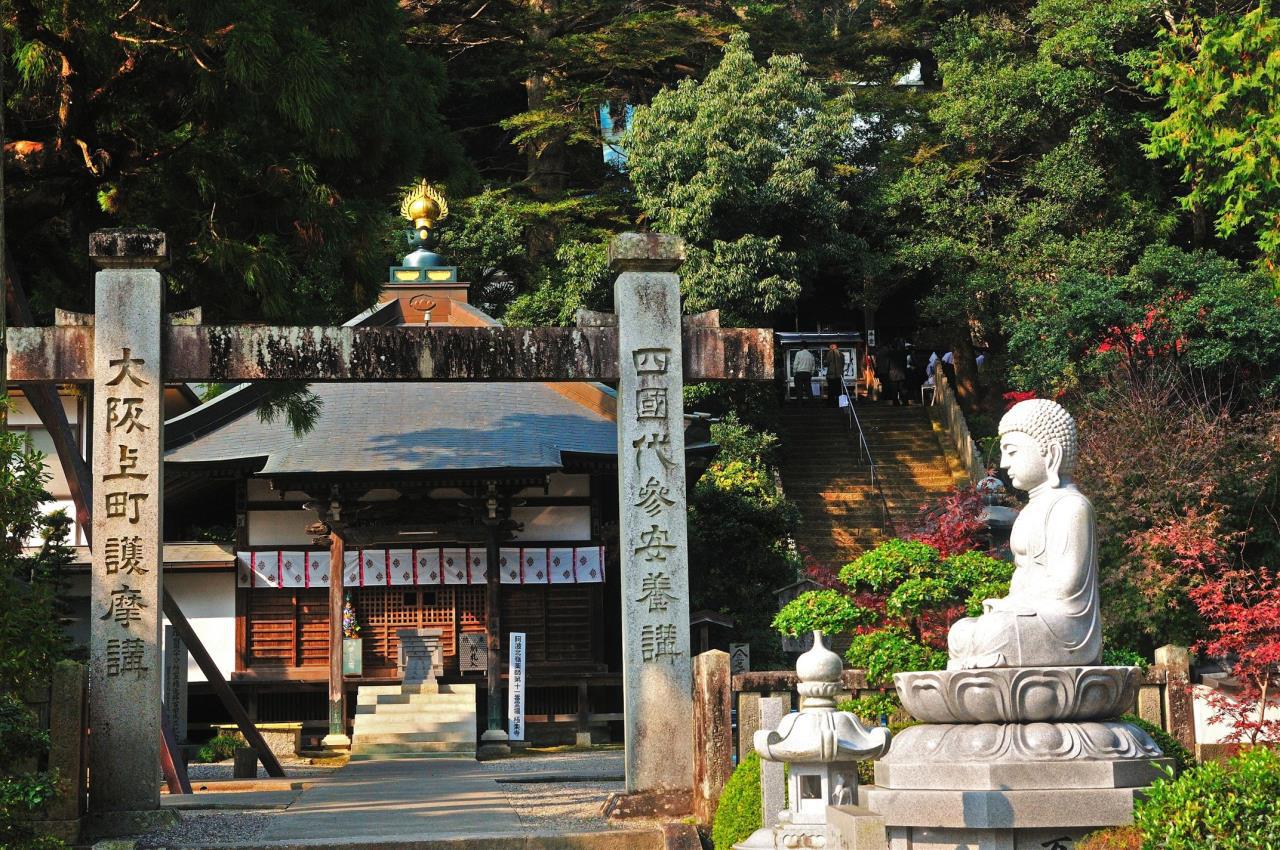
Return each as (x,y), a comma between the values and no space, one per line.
(712,731)
(1179,713)
(125,604)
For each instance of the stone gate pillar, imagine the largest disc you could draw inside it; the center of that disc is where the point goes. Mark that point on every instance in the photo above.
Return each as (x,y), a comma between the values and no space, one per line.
(125,609)
(656,665)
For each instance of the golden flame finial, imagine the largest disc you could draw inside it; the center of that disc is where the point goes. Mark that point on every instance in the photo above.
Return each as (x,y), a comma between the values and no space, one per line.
(424,206)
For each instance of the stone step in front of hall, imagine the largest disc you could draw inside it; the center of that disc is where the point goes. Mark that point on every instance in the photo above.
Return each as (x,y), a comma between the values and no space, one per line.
(408,749)
(460,700)
(419,718)
(444,732)
(391,709)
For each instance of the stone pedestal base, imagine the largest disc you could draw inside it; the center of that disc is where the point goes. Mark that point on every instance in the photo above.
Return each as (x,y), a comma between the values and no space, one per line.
(494,743)
(98,825)
(336,742)
(921,838)
(1008,786)
(649,804)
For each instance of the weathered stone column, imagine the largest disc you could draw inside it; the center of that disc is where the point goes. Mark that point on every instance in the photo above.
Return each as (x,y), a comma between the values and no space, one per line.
(656,666)
(128,485)
(713,731)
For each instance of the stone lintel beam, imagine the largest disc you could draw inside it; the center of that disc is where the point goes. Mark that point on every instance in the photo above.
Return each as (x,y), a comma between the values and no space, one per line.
(61,354)
(128,247)
(646,252)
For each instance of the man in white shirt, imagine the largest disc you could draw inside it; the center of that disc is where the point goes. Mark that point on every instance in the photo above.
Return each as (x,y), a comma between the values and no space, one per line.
(802,368)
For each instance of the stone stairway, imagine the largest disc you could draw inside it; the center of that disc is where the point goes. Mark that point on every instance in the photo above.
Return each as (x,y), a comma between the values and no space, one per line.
(824,473)
(418,719)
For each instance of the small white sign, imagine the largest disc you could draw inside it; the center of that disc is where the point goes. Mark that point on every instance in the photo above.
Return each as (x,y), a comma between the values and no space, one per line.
(515,688)
(739,658)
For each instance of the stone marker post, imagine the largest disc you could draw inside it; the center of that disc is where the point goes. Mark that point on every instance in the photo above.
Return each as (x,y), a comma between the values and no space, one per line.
(125,610)
(656,666)
(773,777)
(1179,709)
(175,683)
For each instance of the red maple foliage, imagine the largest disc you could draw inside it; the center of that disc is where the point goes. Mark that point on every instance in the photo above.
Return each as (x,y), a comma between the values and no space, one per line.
(952,524)
(1242,609)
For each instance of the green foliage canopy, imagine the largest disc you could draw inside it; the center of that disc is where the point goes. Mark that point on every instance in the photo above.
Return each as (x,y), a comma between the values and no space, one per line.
(267,138)
(745,165)
(739,523)
(1220,77)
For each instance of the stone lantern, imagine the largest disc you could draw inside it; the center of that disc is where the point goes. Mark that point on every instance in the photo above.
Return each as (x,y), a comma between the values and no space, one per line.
(822,748)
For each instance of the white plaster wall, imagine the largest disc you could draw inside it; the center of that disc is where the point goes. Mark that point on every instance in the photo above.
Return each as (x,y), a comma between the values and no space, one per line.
(559,484)
(1209,732)
(279,528)
(208,600)
(553,523)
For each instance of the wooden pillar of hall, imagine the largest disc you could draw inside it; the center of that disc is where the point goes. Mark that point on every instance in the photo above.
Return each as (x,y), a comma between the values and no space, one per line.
(337,737)
(494,740)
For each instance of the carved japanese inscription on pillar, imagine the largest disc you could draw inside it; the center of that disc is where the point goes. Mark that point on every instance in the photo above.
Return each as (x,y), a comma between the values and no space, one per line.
(655,583)
(127,434)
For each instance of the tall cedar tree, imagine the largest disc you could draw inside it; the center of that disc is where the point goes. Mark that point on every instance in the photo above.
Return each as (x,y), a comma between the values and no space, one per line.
(268,138)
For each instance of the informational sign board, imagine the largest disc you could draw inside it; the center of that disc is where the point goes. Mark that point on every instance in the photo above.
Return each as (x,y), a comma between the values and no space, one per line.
(352,656)
(515,688)
(739,658)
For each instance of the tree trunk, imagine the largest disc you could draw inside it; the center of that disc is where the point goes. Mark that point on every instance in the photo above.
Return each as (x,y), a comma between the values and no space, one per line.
(545,169)
(966,372)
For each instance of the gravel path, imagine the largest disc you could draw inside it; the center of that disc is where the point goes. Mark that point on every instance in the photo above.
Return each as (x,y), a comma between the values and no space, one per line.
(209,828)
(561,806)
(543,807)
(224,770)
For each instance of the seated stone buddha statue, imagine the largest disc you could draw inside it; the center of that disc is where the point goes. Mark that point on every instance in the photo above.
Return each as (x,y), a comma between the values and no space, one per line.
(1050,617)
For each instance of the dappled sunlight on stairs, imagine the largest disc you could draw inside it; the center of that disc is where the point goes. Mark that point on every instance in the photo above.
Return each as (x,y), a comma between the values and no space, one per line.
(826,476)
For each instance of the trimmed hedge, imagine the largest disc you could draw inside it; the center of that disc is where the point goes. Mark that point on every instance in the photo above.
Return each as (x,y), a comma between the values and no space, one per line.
(739,813)
(1231,807)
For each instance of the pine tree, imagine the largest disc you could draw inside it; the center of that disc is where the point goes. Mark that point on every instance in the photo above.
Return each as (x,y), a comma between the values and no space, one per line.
(268,138)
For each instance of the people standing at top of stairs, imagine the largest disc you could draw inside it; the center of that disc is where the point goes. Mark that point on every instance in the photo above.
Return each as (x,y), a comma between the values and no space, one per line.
(833,360)
(803,368)
(895,369)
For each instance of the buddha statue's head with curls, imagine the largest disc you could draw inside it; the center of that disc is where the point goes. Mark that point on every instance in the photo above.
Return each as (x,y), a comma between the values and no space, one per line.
(1038,445)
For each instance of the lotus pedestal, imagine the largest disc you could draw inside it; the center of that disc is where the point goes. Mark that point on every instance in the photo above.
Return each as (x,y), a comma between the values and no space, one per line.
(1012,758)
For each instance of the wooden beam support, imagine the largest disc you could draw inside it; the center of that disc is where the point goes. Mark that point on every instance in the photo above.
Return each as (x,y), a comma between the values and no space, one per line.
(171,763)
(204,353)
(220,686)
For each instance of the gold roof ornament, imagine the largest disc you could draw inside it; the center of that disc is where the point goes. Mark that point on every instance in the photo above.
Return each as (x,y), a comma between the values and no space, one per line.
(424,206)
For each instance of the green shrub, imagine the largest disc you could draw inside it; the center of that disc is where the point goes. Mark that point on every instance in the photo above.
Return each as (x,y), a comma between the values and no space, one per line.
(890,564)
(1182,758)
(829,611)
(1217,807)
(219,748)
(1112,838)
(891,650)
(869,707)
(1123,657)
(739,813)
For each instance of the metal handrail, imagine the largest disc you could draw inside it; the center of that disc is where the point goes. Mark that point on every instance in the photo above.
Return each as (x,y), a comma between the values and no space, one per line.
(886,522)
